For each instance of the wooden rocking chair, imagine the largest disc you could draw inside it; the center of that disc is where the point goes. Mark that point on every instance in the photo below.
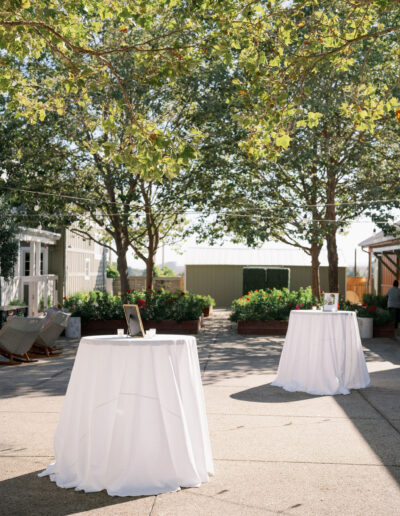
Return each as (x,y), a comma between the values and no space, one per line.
(43,346)
(17,337)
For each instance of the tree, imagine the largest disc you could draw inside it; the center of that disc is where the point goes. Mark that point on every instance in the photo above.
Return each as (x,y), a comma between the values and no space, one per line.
(109,193)
(163,271)
(332,172)
(9,246)
(279,44)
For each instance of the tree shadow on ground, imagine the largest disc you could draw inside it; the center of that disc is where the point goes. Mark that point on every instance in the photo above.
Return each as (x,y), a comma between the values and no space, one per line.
(227,361)
(22,494)
(377,420)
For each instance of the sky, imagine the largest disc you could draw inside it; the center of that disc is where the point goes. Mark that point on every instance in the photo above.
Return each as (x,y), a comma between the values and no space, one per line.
(347,243)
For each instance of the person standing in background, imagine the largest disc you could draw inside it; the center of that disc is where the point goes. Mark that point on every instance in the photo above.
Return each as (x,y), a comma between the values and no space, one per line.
(393,302)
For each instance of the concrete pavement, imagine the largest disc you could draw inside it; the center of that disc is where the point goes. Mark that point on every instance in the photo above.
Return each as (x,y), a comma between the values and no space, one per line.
(274,452)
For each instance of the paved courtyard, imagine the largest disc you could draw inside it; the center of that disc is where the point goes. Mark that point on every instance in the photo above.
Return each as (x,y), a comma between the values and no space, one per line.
(274,452)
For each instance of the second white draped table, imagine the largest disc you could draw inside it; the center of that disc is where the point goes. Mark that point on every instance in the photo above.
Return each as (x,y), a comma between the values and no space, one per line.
(133,420)
(322,354)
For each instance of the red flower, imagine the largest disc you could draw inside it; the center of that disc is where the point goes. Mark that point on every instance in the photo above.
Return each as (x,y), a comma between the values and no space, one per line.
(280,297)
(169,300)
(248,299)
(149,287)
(71,306)
(64,297)
(128,291)
(372,308)
(364,305)
(182,293)
(141,302)
(290,304)
(59,306)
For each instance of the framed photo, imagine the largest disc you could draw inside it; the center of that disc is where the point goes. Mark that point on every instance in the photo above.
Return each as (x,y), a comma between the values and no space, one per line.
(331,301)
(133,320)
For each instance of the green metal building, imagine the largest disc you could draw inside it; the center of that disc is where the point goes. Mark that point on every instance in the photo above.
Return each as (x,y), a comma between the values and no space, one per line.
(219,272)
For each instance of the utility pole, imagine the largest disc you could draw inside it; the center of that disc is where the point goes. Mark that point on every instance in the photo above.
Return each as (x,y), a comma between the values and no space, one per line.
(355,262)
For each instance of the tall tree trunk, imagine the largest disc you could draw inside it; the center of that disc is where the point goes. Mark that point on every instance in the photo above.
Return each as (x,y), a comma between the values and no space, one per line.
(333,261)
(331,233)
(149,270)
(122,264)
(315,281)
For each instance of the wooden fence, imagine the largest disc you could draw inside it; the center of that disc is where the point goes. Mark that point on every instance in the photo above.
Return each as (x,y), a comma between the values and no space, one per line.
(356,287)
(139,283)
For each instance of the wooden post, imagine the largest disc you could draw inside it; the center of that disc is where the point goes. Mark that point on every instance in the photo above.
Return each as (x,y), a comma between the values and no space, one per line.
(32,295)
(369,271)
(355,262)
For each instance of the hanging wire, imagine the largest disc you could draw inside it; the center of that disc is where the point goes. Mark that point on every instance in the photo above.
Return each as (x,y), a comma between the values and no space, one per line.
(252,210)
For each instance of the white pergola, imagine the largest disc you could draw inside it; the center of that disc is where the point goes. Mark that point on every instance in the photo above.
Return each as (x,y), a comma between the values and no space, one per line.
(38,284)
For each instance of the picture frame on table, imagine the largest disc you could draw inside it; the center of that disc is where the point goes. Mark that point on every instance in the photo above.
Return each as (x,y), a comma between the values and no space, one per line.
(133,320)
(331,302)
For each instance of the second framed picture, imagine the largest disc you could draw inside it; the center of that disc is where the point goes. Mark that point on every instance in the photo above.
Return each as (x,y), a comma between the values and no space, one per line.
(331,301)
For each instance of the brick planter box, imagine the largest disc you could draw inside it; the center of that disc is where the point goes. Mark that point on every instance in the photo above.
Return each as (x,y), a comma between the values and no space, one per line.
(262,327)
(386,330)
(110,327)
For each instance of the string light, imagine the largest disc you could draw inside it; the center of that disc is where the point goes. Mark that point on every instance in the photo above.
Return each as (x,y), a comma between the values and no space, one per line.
(120,203)
(288,220)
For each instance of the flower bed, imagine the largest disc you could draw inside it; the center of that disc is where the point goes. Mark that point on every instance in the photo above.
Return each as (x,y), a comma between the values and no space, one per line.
(102,313)
(267,312)
(271,305)
(374,307)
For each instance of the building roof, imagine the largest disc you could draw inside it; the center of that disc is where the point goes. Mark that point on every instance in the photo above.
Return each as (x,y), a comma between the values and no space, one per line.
(379,239)
(38,235)
(247,256)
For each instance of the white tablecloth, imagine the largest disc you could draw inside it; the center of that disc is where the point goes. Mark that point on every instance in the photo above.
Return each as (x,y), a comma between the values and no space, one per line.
(133,420)
(322,354)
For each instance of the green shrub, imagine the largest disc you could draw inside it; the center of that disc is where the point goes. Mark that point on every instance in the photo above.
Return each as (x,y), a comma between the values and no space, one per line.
(17,302)
(375,300)
(154,305)
(272,305)
(207,301)
(371,308)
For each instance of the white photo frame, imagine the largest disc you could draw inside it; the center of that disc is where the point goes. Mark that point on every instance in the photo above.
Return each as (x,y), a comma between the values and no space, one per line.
(133,320)
(331,301)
